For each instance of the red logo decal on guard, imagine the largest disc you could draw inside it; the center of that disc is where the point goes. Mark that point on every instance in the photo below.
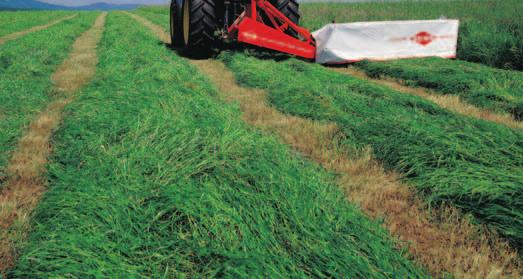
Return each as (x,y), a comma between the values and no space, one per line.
(423,38)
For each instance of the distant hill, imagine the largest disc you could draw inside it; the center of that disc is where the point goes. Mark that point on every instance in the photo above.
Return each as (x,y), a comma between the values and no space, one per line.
(27,4)
(36,5)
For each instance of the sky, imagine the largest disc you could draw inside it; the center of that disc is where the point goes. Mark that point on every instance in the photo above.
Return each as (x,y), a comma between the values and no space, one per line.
(87,2)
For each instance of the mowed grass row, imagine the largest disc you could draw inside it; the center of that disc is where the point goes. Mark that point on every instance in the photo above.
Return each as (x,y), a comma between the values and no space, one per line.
(474,165)
(153,176)
(491,31)
(26,67)
(482,86)
(15,21)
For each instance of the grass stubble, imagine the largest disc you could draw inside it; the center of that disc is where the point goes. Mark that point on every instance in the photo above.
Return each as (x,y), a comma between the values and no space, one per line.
(441,240)
(26,170)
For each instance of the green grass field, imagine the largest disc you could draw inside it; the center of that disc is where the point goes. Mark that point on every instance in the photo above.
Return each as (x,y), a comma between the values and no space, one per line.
(20,20)
(154,176)
(26,66)
(474,165)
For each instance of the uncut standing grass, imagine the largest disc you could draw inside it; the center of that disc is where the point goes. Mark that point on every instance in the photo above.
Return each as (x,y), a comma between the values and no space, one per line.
(474,165)
(26,66)
(153,176)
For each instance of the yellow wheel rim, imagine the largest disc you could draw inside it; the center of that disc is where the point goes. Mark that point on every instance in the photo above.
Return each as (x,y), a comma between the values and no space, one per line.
(186,21)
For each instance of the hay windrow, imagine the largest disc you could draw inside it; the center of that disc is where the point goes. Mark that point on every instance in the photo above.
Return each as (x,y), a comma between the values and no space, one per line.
(500,91)
(447,101)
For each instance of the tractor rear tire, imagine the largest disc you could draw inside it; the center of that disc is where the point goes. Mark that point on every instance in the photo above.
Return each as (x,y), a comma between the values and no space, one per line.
(290,8)
(199,22)
(176,23)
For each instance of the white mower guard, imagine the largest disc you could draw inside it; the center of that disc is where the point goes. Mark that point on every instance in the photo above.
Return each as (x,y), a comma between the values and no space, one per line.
(386,40)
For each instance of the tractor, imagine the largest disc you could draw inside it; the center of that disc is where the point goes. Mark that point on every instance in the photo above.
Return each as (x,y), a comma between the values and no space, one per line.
(197,25)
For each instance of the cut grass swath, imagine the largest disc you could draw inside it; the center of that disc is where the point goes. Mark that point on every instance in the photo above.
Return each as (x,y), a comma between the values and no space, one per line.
(26,66)
(485,87)
(153,176)
(475,165)
(446,101)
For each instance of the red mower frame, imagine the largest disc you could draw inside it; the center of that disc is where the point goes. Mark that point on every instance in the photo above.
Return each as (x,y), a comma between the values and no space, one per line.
(250,28)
